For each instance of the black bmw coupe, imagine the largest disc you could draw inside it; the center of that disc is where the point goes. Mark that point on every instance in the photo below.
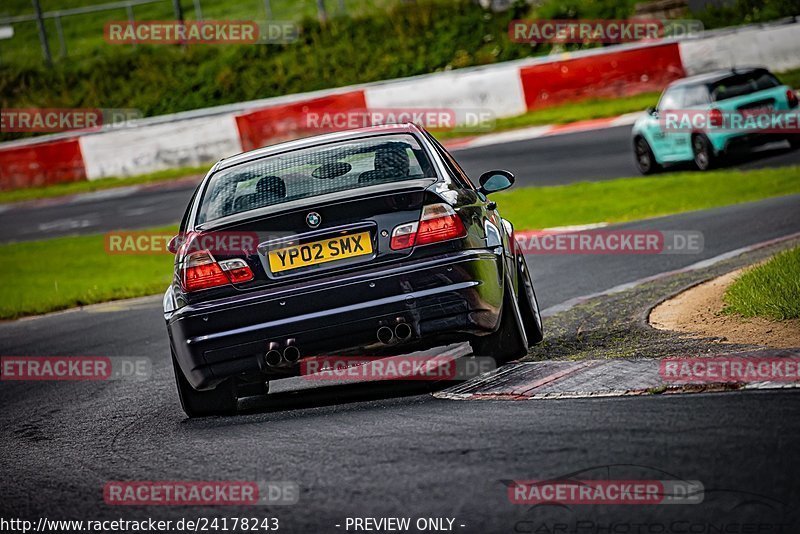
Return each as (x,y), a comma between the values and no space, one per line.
(370,241)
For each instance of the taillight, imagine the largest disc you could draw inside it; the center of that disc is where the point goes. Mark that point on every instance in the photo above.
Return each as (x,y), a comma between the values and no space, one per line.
(202,271)
(715,118)
(791,98)
(237,270)
(439,222)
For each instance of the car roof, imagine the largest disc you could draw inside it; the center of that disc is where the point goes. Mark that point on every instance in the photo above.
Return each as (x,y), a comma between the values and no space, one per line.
(713,76)
(307,142)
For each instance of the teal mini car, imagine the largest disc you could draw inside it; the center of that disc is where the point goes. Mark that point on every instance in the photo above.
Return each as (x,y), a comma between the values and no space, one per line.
(714,97)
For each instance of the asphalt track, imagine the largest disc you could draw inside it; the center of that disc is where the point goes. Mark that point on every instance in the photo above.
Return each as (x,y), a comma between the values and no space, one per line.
(559,159)
(382,450)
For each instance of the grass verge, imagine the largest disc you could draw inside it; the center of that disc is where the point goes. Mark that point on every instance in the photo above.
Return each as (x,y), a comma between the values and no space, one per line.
(61,273)
(627,199)
(770,290)
(85,274)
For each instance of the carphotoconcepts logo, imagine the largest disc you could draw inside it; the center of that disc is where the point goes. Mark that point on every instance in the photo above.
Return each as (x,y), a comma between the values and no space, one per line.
(600,30)
(758,120)
(200,493)
(120,32)
(610,242)
(610,492)
(74,368)
(366,368)
(731,369)
(43,120)
(437,119)
(153,243)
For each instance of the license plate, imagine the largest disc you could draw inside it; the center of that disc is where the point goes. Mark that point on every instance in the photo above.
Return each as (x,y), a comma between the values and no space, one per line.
(316,252)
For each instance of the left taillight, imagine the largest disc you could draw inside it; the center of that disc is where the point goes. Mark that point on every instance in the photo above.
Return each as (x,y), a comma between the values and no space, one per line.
(201,271)
(438,222)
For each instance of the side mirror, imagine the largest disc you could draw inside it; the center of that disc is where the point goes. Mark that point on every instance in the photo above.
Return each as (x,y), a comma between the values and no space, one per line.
(652,111)
(492,181)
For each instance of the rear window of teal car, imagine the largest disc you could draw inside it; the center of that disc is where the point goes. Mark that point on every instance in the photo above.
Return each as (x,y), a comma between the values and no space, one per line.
(742,84)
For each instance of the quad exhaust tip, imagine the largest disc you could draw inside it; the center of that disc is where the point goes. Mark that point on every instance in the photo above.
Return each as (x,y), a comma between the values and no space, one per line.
(272,358)
(291,353)
(385,335)
(403,331)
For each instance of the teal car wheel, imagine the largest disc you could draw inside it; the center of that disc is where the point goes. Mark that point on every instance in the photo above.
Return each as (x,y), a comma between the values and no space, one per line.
(704,157)
(645,160)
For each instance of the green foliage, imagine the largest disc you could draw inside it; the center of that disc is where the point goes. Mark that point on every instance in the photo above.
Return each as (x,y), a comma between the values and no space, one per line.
(406,40)
(746,12)
(769,290)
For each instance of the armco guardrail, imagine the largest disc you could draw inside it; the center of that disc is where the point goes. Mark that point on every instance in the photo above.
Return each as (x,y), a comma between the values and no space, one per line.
(506,89)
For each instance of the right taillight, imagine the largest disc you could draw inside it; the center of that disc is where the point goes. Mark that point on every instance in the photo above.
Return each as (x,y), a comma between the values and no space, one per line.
(715,118)
(438,222)
(791,98)
(201,271)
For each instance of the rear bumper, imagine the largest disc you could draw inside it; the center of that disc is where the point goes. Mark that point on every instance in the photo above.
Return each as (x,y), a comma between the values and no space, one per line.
(449,297)
(731,143)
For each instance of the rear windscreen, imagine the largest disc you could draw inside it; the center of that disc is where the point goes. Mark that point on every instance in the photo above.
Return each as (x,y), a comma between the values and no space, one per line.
(313,171)
(742,84)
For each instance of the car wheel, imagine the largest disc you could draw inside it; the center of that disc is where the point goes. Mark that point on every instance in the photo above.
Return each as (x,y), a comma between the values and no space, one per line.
(509,341)
(218,401)
(645,160)
(529,306)
(704,157)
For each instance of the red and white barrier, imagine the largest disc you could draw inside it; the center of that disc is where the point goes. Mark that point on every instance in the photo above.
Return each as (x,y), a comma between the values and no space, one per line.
(507,89)
(42,163)
(601,75)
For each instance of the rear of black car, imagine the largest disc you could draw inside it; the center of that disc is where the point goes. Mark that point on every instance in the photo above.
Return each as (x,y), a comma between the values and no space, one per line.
(355,246)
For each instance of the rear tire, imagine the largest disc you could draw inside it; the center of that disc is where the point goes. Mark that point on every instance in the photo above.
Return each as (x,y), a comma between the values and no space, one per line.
(509,341)
(645,160)
(529,306)
(704,157)
(218,401)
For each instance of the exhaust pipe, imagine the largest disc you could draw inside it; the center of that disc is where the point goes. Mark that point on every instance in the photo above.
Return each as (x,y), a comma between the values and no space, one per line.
(273,355)
(403,331)
(385,335)
(291,353)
